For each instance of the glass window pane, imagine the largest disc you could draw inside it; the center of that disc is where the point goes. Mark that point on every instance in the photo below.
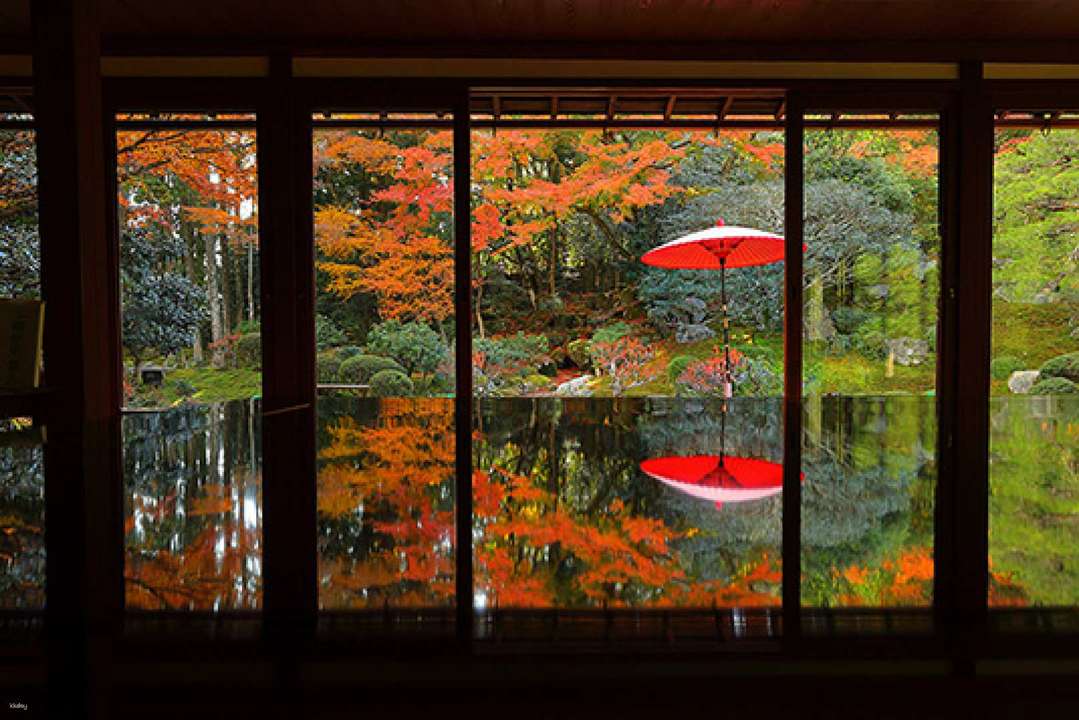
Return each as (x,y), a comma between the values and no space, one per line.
(20,261)
(871,287)
(22,487)
(384,334)
(1034,405)
(610,468)
(189,289)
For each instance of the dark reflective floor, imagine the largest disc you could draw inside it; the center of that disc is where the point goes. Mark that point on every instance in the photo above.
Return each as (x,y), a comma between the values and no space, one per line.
(565,514)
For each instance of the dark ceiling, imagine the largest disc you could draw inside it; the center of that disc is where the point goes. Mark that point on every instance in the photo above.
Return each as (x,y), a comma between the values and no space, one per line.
(723,27)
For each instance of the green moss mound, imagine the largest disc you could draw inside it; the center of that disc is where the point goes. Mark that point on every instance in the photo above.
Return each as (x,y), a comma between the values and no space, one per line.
(677,366)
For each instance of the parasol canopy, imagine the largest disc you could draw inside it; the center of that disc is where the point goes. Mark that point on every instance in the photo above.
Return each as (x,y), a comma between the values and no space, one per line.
(722,246)
(719,479)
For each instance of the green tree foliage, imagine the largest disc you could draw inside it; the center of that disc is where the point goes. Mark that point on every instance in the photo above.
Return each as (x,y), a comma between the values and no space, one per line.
(327,334)
(161,308)
(414,345)
(1036,213)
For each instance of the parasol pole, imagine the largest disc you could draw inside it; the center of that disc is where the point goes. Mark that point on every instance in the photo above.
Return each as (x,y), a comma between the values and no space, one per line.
(727,389)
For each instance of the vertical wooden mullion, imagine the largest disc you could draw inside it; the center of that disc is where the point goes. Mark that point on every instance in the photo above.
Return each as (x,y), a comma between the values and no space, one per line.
(290,582)
(794,221)
(974,306)
(462,277)
(84,522)
(945,505)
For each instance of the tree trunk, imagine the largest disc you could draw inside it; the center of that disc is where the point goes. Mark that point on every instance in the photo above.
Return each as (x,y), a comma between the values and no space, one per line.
(479,311)
(217,358)
(225,284)
(250,280)
(189,271)
(553,269)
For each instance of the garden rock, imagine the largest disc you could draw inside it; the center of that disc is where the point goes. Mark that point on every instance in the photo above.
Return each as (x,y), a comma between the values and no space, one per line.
(577,387)
(880,292)
(692,332)
(1022,380)
(908,351)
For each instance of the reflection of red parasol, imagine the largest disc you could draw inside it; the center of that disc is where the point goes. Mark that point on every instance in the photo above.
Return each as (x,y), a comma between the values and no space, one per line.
(720,479)
(719,248)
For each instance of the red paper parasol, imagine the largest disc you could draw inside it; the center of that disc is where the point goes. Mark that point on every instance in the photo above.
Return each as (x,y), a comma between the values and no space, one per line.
(719,248)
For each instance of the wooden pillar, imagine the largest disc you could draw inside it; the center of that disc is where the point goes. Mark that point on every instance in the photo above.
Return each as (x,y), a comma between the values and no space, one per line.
(792,369)
(462,277)
(83,489)
(290,577)
(972,273)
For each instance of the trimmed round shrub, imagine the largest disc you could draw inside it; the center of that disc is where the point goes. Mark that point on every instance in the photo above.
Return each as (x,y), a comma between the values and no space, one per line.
(1054,386)
(1001,368)
(1062,366)
(360,369)
(346,351)
(390,383)
(327,365)
(249,351)
(678,365)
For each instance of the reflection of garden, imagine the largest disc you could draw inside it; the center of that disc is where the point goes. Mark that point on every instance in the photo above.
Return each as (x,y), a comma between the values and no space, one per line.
(193,508)
(22,518)
(1034,500)
(564,517)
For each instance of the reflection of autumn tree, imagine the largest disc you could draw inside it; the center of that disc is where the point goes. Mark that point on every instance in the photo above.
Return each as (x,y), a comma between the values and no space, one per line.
(564,518)
(534,550)
(193,525)
(208,571)
(385,501)
(907,580)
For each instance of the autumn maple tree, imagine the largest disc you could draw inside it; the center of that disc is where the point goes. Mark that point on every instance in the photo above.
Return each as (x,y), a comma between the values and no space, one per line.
(196,190)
